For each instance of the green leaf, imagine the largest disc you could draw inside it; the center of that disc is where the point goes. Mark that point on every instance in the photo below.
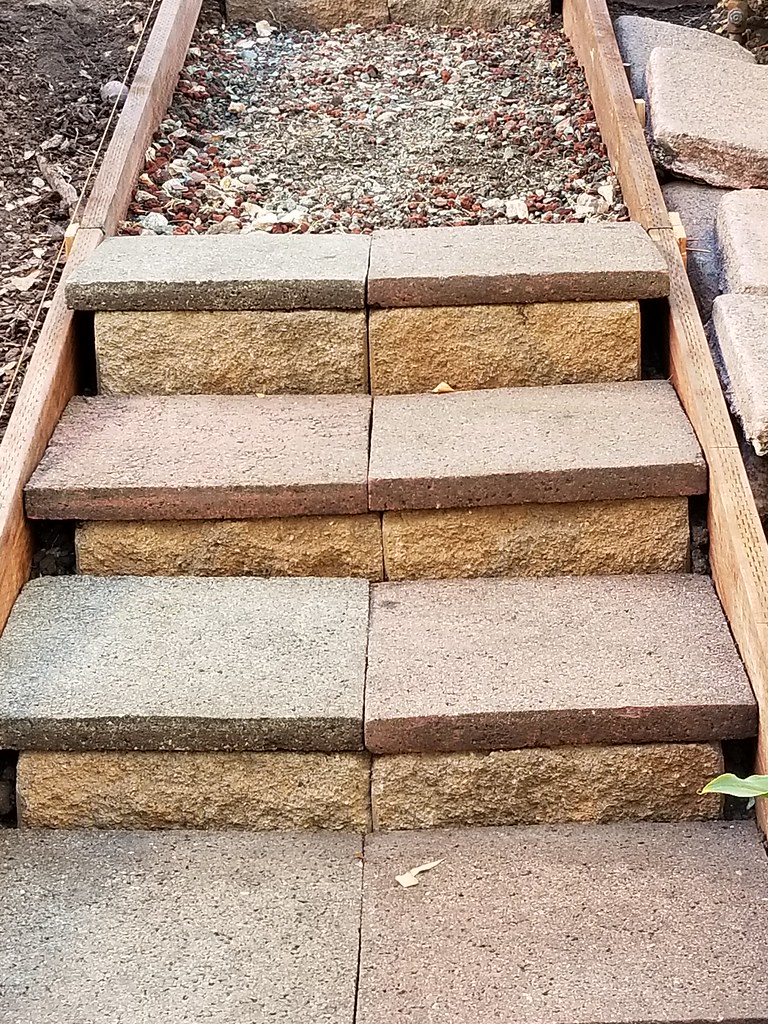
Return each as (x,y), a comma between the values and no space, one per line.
(732,785)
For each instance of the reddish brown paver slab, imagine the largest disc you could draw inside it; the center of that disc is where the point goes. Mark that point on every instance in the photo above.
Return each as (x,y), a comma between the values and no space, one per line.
(253,271)
(204,457)
(499,664)
(580,442)
(514,263)
(570,924)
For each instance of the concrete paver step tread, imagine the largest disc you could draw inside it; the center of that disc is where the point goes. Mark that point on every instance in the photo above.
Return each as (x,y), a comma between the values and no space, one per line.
(612,924)
(204,457)
(501,664)
(179,926)
(565,443)
(503,264)
(255,271)
(609,924)
(161,664)
(145,663)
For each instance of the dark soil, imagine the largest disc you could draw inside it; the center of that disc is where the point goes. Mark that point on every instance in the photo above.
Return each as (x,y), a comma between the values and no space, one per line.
(54,57)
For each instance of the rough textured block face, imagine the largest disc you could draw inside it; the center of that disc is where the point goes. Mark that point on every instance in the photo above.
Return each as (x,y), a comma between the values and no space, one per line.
(185,664)
(301,546)
(481,14)
(742,241)
(217,272)
(506,447)
(204,457)
(741,327)
(307,352)
(637,37)
(310,14)
(648,782)
(282,790)
(472,266)
(503,346)
(651,923)
(498,664)
(649,535)
(179,927)
(724,141)
(698,206)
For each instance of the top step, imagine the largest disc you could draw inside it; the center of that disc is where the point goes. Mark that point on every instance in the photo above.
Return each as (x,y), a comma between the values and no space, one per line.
(424,267)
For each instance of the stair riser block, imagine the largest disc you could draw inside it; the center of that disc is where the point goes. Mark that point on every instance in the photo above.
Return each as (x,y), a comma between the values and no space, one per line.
(586,538)
(281,790)
(473,347)
(306,352)
(652,782)
(289,546)
(597,538)
(649,782)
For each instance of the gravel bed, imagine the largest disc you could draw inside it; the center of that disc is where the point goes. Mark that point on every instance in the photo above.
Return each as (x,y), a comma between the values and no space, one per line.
(360,129)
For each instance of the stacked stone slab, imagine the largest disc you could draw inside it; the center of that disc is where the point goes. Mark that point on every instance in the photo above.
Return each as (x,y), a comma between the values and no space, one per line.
(739,315)
(639,37)
(551,486)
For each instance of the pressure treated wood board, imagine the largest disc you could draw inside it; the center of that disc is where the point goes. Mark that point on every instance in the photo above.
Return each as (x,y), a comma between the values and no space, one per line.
(588,26)
(151,92)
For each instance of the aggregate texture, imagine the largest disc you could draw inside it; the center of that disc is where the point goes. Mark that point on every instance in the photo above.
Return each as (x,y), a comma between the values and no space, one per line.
(90,663)
(291,546)
(358,129)
(183,927)
(135,790)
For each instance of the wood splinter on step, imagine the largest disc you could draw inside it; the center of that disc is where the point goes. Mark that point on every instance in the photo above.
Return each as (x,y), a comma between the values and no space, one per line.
(69,237)
(680,236)
(443,388)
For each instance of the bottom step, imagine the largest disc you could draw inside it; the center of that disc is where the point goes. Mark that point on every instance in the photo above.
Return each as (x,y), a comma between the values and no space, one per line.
(631,924)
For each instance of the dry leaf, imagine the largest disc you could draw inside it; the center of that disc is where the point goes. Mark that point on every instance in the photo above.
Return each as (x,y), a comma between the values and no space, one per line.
(138,27)
(442,389)
(409,879)
(23,284)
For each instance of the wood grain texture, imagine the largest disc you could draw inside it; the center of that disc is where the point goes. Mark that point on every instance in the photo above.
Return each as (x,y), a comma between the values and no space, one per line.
(49,384)
(590,30)
(148,100)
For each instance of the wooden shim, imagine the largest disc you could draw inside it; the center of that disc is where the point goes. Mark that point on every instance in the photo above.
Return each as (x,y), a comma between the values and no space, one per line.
(590,30)
(148,99)
(48,385)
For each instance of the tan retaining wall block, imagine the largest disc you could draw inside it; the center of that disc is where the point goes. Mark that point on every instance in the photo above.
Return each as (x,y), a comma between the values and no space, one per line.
(649,782)
(591,537)
(212,790)
(308,352)
(414,349)
(296,546)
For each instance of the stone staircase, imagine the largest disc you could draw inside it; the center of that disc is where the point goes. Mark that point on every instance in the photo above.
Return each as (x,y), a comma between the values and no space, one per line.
(453,627)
